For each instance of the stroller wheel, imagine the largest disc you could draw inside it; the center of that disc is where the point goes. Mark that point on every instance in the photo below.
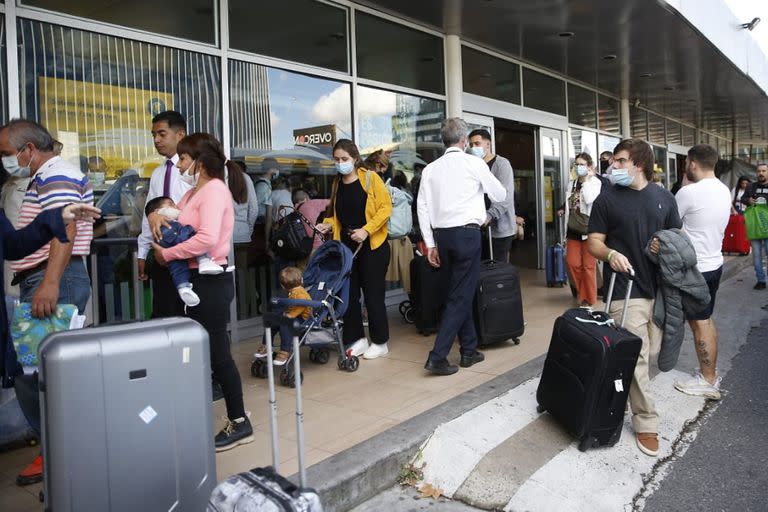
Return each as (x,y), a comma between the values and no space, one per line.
(408,315)
(353,364)
(322,356)
(404,306)
(342,363)
(259,369)
(288,378)
(313,355)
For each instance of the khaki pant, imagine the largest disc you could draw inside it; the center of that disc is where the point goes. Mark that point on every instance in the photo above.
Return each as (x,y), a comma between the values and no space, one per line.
(639,321)
(400,262)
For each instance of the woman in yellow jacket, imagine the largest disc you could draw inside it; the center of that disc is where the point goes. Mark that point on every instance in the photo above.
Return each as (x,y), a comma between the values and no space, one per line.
(360,209)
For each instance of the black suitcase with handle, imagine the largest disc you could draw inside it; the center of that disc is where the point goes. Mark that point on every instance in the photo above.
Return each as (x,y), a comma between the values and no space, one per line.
(429,288)
(587,373)
(498,304)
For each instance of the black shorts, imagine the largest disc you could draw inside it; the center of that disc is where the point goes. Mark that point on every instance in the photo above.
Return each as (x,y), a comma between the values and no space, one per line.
(713,282)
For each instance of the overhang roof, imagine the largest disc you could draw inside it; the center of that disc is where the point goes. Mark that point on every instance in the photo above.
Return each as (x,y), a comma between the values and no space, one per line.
(690,79)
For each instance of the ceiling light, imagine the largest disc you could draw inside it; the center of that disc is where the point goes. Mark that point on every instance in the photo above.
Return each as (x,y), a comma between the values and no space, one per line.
(427,59)
(565,34)
(751,25)
(610,56)
(669,88)
(646,75)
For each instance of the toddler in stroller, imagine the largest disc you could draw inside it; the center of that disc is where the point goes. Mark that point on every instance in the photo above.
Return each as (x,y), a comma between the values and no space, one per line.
(290,280)
(326,280)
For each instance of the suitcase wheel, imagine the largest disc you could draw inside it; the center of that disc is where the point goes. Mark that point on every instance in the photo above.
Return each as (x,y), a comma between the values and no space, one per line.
(540,409)
(586,443)
(516,341)
(319,356)
(350,364)
(404,306)
(288,377)
(259,369)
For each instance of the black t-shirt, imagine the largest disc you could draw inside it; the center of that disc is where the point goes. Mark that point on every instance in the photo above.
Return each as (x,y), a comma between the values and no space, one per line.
(350,208)
(629,218)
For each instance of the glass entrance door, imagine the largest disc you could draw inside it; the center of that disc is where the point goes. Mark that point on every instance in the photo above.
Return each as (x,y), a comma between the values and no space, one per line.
(552,176)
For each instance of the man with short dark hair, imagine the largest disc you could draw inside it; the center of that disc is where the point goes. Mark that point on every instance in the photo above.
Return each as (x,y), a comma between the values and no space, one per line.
(757,193)
(623,220)
(606,159)
(168,128)
(500,215)
(705,207)
(451,210)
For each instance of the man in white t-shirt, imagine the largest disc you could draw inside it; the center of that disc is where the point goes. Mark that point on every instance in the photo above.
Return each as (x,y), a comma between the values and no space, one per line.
(704,206)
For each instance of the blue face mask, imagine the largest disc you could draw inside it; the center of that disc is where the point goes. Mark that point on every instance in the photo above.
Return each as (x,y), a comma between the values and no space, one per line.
(582,170)
(621,177)
(478,151)
(345,167)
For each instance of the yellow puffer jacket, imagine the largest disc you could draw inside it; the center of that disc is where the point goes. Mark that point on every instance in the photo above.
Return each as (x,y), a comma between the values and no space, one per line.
(378,208)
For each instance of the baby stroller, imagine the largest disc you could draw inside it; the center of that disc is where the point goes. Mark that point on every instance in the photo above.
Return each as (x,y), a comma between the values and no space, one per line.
(326,278)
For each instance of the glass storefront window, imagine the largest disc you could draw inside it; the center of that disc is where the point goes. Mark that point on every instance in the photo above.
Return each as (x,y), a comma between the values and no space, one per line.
(489,76)
(195,20)
(584,141)
(581,106)
(543,92)
(656,129)
(606,143)
(3,78)
(608,114)
(638,123)
(97,95)
(394,54)
(689,136)
(406,126)
(305,31)
(674,133)
(292,120)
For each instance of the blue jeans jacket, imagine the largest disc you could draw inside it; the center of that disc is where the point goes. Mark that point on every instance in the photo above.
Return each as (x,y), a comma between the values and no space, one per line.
(172,236)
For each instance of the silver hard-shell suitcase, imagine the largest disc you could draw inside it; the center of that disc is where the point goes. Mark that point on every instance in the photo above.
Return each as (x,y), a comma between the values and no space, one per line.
(264,488)
(126,417)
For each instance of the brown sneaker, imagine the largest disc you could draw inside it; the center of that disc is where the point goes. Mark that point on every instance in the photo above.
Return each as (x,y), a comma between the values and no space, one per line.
(281,358)
(648,442)
(261,352)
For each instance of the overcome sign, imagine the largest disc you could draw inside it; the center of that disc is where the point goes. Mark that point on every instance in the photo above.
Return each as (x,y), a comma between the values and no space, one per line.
(317,135)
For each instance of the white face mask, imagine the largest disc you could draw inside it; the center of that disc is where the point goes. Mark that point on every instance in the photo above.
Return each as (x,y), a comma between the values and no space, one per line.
(188,178)
(11,164)
(478,151)
(582,170)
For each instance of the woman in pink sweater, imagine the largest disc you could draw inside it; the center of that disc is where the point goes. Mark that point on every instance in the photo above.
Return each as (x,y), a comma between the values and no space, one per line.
(207,207)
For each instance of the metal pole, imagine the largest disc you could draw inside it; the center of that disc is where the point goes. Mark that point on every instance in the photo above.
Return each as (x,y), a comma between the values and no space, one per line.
(95,288)
(272,400)
(138,286)
(453,76)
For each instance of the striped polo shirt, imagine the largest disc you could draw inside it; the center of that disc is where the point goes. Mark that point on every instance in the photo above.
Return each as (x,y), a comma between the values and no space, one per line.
(57,183)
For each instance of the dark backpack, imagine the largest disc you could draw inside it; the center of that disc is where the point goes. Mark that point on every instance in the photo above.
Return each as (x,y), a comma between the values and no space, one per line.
(289,239)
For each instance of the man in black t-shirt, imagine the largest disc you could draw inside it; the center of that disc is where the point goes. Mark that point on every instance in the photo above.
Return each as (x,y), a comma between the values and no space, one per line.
(624,218)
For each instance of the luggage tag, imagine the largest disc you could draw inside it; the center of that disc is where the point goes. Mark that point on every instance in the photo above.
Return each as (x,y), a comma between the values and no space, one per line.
(619,385)
(321,285)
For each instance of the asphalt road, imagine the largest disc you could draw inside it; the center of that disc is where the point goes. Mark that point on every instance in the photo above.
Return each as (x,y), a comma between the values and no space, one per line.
(724,468)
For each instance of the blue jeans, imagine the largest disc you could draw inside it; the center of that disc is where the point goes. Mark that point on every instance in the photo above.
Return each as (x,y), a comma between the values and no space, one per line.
(759,251)
(74,287)
(459,250)
(172,236)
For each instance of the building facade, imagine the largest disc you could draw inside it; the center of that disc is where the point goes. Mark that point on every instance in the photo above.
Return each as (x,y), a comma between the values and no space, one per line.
(287,79)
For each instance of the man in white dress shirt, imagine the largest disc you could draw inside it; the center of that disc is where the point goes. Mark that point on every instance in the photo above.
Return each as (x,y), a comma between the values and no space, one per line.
(451,210)
(168,128)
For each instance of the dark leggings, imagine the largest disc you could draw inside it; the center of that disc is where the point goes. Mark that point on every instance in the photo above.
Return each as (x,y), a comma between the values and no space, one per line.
(216,293)
(368,272)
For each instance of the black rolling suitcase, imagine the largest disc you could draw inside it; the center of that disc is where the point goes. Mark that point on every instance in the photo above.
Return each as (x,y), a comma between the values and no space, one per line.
(587,373)
(264,488)
(498,304)
(429,288)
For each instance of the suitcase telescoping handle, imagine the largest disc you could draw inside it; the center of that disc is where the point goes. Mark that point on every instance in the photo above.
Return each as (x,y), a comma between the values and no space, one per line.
(275,319)
(609,295)
(490,242)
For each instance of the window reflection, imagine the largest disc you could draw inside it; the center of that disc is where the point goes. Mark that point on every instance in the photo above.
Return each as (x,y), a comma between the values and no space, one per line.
(608,114)
(489,76)
(638,123)
(97,95)
(673,133)
(581,106)
(3,78)
(584,141)
(543,92)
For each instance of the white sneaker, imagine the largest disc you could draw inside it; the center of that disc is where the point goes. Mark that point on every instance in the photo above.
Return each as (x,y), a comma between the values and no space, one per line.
(376,350)
(358,348)
(189,297)
(206,266)
(698,386)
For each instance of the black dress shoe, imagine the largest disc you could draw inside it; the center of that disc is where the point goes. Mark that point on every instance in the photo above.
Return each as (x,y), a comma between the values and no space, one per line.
(759,286)
(440,367)
(467,361)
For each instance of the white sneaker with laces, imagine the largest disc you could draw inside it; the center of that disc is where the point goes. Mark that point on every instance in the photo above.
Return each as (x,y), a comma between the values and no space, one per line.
(698,386)
(376,350)
(189,297)
(358,348)
(206,266)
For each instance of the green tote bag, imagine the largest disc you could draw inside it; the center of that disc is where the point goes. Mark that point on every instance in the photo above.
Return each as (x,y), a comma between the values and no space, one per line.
(756,220)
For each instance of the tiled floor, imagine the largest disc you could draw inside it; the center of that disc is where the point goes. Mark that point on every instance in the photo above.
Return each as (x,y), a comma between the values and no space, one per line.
(343,409)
